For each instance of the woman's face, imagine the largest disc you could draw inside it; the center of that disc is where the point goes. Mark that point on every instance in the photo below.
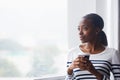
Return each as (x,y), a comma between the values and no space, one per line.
(87,31)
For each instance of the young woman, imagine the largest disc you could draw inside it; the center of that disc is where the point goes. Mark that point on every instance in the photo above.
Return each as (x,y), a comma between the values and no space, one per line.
(102,59)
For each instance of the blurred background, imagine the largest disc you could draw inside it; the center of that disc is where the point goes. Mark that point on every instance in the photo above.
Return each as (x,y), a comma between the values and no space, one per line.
(33,37)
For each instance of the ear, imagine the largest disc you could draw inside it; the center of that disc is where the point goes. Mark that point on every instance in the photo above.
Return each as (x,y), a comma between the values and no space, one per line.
(97,30)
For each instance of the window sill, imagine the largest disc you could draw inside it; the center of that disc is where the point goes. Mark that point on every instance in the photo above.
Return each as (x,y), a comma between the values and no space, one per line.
(51,78)
(36,78)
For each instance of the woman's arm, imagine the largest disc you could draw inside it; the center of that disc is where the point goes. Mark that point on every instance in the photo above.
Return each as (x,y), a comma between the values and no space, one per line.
(98,75)
(70,71)
(74,64)
(116,65)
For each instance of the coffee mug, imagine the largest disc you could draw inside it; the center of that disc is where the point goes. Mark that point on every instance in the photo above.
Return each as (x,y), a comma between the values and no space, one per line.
(85,56)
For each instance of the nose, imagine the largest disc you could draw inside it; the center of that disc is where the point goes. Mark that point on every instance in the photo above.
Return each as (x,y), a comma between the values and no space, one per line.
(80,32)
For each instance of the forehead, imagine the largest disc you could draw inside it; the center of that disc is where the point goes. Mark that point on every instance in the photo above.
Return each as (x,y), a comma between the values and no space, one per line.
(85,22)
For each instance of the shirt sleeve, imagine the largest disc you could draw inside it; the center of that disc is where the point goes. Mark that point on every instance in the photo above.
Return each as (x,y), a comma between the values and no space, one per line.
(116,65)
(69,61)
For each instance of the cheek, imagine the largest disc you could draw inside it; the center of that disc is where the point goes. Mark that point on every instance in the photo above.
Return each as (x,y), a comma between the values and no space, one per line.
(90,35)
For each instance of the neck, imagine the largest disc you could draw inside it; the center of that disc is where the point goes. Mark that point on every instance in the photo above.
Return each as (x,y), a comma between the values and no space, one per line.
(93,48)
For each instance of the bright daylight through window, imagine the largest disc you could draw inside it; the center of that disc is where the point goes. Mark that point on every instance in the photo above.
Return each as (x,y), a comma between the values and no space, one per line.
(33,37)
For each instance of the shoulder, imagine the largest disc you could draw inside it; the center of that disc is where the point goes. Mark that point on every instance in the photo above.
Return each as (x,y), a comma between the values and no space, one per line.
(73,52)
(74,49)
(114,52)
(115,56)
(111,50)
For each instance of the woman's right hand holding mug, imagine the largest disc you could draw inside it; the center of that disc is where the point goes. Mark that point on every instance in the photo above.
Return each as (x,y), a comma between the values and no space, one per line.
(75,64)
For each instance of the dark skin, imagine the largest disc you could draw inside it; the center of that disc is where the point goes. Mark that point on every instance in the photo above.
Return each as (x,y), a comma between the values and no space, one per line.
(88,36)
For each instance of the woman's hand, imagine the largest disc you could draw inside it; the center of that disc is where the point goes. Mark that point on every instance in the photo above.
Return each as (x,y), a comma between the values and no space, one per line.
(79,62)
(75,64)
(85,64)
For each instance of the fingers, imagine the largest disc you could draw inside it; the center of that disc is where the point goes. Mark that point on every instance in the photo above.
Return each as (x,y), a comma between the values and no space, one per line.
(75,64)
(89,65)
(82,59)
(85,64)
(82,63)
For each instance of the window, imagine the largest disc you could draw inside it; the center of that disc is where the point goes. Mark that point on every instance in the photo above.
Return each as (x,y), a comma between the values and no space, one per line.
(33,38)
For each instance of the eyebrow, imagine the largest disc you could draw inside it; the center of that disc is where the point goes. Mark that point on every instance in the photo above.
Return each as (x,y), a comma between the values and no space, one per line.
(83,25)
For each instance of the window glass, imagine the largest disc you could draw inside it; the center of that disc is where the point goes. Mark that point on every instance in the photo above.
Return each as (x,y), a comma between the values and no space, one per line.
(33,37)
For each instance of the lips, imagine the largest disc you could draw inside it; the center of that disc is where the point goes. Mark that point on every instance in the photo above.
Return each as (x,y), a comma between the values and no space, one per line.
(81,37)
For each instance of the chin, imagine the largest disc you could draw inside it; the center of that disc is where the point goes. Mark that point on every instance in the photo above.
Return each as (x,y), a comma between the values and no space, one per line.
(83,41)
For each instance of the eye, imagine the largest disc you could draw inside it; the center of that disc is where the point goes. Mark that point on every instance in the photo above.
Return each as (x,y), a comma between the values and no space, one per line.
(85,27)
(78,28)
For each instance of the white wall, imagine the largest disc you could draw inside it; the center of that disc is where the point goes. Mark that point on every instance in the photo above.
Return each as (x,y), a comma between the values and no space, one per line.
(76,10)
(108,9)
